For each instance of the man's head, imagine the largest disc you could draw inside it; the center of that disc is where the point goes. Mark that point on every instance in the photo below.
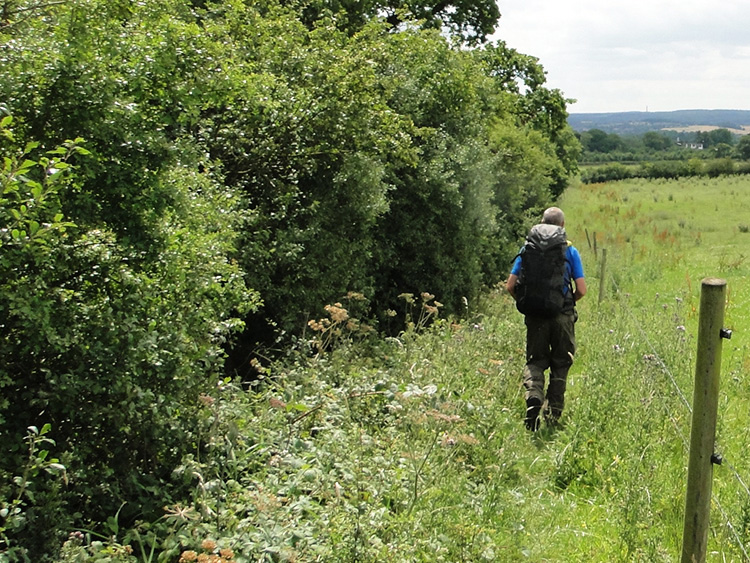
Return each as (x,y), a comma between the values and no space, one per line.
(553,216)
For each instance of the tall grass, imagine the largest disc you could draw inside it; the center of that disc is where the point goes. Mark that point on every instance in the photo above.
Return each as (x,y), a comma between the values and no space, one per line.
(413,449)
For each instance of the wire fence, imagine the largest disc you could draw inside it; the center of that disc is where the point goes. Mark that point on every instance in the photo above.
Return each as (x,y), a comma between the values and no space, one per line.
(624,305)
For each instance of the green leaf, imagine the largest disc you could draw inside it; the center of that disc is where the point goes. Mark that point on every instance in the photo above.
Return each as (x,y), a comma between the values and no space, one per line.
(26,165)
(30,146)
(32,184)
(296,407)
(113,525)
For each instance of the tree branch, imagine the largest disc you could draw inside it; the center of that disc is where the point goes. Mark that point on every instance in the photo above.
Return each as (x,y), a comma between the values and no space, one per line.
(5,21)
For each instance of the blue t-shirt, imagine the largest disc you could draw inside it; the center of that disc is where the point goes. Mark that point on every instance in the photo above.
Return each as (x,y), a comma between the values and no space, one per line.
(573,269)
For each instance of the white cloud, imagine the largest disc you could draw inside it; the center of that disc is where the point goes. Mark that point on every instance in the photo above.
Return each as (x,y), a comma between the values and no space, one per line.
(625,55)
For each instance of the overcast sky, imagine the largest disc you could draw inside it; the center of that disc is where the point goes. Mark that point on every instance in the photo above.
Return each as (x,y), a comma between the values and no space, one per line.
(636,55)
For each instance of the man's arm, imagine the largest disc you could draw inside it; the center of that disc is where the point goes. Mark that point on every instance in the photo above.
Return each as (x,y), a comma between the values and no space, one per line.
(580,288)
(510,285)
(577,273)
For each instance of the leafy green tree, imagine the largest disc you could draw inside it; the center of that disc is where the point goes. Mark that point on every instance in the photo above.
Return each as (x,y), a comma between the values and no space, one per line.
(704,138)
(303,130)
(656,141)
(723,150)
(721,136)
(318,131)
(438,208)
(743,148)
(473,21)
(522,80)
(596,140)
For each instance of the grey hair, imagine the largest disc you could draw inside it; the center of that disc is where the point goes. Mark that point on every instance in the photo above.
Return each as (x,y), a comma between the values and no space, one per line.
(553,216)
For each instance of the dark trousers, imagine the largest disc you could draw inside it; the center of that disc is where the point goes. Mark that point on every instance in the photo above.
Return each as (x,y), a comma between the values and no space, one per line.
(550,344)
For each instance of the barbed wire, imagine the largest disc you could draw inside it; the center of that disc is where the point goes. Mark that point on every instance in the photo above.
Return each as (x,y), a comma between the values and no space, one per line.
(653,350)
(737,476)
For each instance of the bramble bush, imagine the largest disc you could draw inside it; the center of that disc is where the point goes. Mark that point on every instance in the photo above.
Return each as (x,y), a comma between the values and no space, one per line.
(106,350)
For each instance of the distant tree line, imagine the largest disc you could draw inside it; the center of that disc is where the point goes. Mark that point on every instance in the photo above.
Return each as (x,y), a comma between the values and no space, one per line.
(667,154)
(598,146)
(664,169)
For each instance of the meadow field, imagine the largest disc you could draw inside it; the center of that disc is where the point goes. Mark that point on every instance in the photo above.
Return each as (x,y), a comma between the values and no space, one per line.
(412,449)
(662,238)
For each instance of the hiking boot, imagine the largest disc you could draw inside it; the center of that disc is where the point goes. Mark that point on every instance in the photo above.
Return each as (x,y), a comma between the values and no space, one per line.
(533,407)
(552,417)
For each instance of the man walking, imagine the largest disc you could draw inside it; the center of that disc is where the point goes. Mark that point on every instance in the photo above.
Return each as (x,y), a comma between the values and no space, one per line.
(546,281)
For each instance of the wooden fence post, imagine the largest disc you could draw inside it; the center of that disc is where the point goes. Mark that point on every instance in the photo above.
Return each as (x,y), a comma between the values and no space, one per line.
(703,430)
(595,253)
(602,275)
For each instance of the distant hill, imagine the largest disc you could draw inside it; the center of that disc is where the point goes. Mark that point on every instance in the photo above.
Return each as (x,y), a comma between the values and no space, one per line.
(638,122)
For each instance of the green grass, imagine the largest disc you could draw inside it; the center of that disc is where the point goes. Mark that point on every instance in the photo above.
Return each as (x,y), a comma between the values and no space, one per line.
(662,238)
(413,449)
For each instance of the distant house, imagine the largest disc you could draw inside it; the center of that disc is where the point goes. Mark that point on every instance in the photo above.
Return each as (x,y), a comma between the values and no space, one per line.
(694,146)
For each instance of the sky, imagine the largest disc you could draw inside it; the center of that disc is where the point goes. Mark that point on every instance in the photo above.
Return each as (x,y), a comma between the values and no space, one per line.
(636,55)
